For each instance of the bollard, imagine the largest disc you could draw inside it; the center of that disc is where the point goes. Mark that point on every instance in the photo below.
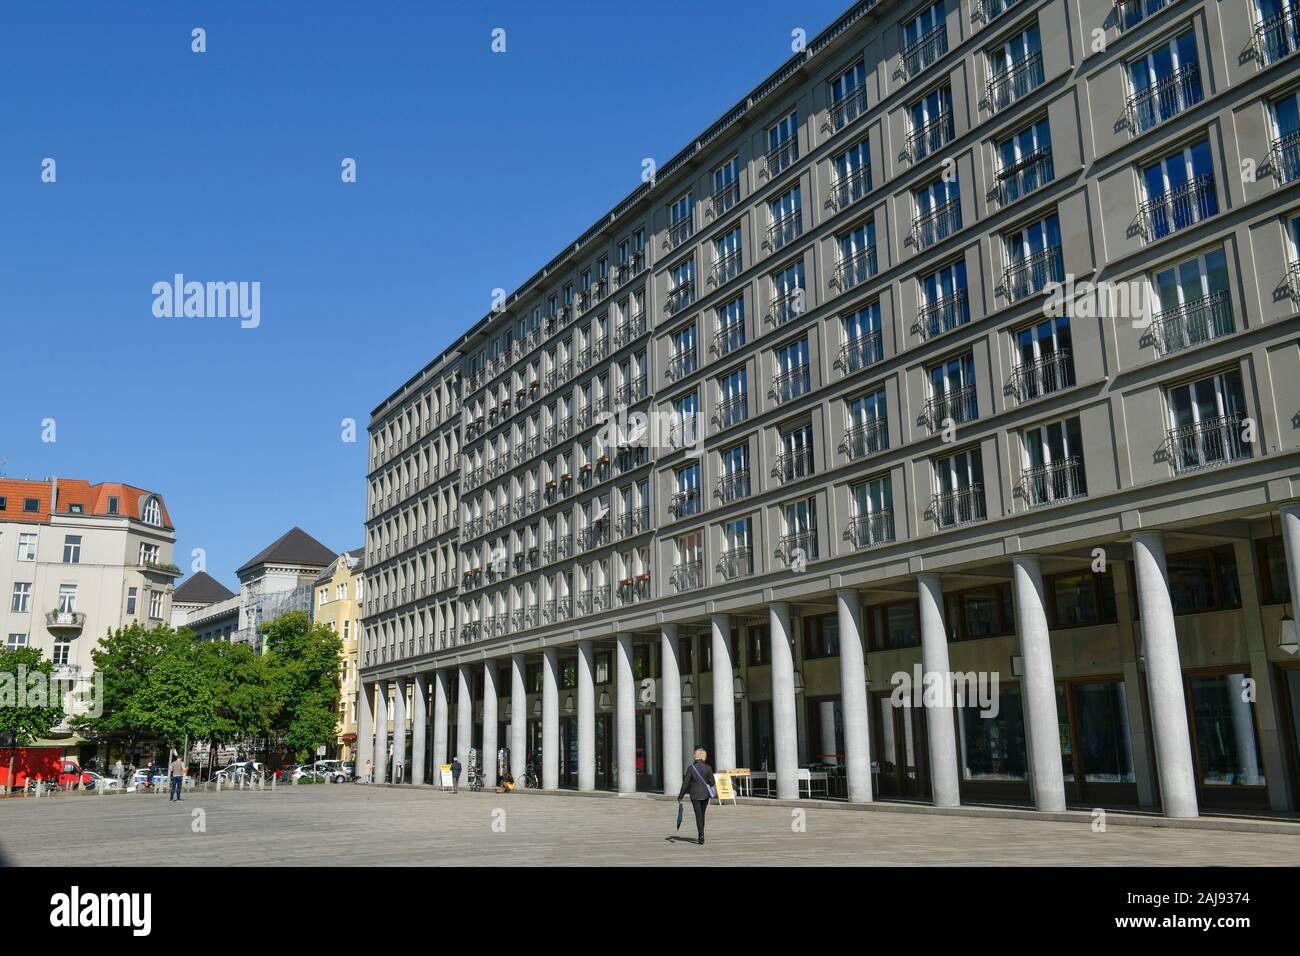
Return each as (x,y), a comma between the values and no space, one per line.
(218,785)
(273,780)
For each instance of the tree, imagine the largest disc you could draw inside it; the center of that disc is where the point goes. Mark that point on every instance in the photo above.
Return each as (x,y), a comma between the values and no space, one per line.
(177,700)
(303,664)
(31,702)
(241,686)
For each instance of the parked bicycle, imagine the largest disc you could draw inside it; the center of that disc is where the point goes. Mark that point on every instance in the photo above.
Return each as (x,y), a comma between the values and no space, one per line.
(530,777)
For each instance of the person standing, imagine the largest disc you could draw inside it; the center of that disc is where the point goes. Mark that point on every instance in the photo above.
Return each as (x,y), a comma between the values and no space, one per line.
(369,777)
(177,773)
(455,775)
(699,782)
(119,772)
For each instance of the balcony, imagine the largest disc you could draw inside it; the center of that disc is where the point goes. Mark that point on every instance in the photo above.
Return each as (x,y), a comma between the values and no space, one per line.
(725,269)
(955,508)
(793,465)
(781,157)
(733,487)
(725,197)
(1169,96)
(470,632)
(1179,208)
(848,189)
(1060,481)
(679,298)
(1284,158)
(1130,13)
(1032,274)
(786,306)
(925,51)
(855,269)
(798,548)
(633,267)
(162,568)
(682,364)
(790,384)
(688,576)
(1043,376)
(634,590)
(942,315)
(1192,323)
(936,225)
(1016,82)
(633,522)
(990,10)
(1278,36)
(930,137)
(865,438)
(1026,175)
(683,504)
(957,405)
(729,338)
(867,531)
(848,108)
(65,620)
(785,228)
(736,563)
(1293,283)
(1207,444)
(679,232)
(593,537)
(593,600)
(731,411)
(862,352)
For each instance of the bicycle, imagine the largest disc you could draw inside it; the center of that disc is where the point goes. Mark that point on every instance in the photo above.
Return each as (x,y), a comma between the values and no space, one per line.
(475,779)
(530,777)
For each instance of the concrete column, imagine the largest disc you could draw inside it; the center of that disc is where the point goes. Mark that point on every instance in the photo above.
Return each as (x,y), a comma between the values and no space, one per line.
(464,716)
(724,706)
(853,698)
(518,719)
(365,727)
(670,700)
(939,721)
(785,733)
(1038,689)
(440,724)
(381,731)
(586,717)
(828,743)
(1164,670)
(490,723)
(398,769)
(550,719)
(1290,515)
(625,716)
(419,724)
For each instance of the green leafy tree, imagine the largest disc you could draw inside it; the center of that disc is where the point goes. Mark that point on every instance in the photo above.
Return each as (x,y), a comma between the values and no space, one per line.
(246,706)
(27,712)
(177,701)
(303,664)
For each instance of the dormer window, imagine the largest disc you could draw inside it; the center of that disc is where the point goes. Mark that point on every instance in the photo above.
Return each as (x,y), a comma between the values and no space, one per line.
(150,512)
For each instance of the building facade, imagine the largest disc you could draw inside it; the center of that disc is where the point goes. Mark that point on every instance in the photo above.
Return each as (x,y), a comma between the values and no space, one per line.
(965,345)
(76,561)
(339,591)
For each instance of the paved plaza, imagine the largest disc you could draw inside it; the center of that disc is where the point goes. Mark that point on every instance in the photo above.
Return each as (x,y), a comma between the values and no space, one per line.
(374,826)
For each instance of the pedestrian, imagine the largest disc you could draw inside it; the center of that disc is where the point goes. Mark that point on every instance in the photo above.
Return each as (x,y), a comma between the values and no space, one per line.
(699,782)
(369,778)
(177,771)
(118,770)
(455,775)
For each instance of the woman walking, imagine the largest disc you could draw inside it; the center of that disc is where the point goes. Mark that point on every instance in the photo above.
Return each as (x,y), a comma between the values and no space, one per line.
(699,783)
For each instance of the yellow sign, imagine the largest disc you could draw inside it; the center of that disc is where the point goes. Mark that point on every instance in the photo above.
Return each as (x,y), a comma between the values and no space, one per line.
(723,783)
(445,772)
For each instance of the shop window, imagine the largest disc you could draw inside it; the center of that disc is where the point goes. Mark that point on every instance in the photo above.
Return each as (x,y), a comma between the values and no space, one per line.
(993,748)
(821,636)
(760,646)
(1223,720)
(980,612)
(894,625)
(1080,599)
(1199,581)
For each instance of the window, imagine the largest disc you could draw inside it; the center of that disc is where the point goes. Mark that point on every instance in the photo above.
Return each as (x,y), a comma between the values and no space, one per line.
(67,598)
(1225,731)
(737,558)
(783,144)
(792,375)
(688,573)
(726,257)
(31,505)
(1033,257)
(62,651)
(799,543)
(1284,156)
(895,625)
(852,178)
(952,392)
(938,212)
(26,546)
(686,495)
(849,95)
(857,261)
(866,430)
(4,503)
(681,285)
(1043,359)
(872,521)
(1163,82)
(980,612)
(1015,69)
(22,598)
(155,605)
(821,636)
(684,357)
(731,326)
(726,186)
(734,483)
(1277,33)
(795,457)
(733,399)
(1203,581)
(931,120)
(16,641)
(787,294)
(1191,303)
(1024,162)
(1205,422)
(958,489)
(72,549)
(860,333)
(945,304)
(1133,12)
(680,221)
(151,512)
(1053,463)
(685,426)
(993,748)
(925,39)
(148,553)
(131,594)
(787,218)
(322,596)
(1080,599)
(1178,191)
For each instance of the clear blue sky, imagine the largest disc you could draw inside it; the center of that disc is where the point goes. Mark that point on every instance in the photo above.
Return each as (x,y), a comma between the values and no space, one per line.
(474,169)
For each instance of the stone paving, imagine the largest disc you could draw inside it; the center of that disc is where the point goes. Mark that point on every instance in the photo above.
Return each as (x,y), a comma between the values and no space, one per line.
(374,826)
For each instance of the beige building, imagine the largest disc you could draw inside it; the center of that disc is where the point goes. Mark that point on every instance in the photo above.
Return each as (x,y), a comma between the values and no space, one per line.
(960,345)
(336,602)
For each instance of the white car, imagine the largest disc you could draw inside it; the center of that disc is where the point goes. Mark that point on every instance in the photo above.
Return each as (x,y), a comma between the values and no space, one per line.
(99,782)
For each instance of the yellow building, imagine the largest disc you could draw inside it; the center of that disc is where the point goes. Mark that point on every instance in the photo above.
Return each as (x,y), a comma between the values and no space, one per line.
(336,602)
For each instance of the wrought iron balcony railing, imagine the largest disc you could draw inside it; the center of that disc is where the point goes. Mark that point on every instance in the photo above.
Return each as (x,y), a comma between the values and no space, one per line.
(685,503)
(729,338)
(790,384)
(1060,481)
(1192,323)
(848,189)
(1014,83)
(781,157)
(1293,282)
(736,563)
(953,508)
(1029,173)
(930,137)
(1284,158)
(1032,274)
(1043,376)
(683,364)
(848,108)
(937,224)
(726,268)
(869,530)
(733,487)
(679,298)
(629,331)
(793,465)
(680,231)
(1206,444)
(925,51)
(786,307)
(633,522)
(862,352)
(957,404)
(1278,36)
(1179,208)
(943,315)
(688,576)
(855,269)
(990,10)
(795,549)
(724,197)
(785,228)
(1165,99)
(865,438)
(731,411)
(633,267)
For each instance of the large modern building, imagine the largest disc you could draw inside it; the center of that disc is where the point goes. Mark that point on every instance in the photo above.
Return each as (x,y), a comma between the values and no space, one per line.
(76,561)
(966,344)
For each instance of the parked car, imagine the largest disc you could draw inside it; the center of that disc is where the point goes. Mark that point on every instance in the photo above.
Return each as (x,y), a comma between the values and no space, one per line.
(99,781)
(331,771)
(233,772)
(149,777)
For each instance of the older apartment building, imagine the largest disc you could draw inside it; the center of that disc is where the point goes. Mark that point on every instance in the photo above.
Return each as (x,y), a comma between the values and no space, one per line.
(967,342)
(339,591)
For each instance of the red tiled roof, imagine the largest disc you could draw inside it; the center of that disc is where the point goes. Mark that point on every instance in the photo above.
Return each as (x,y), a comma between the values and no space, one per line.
(73,491)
